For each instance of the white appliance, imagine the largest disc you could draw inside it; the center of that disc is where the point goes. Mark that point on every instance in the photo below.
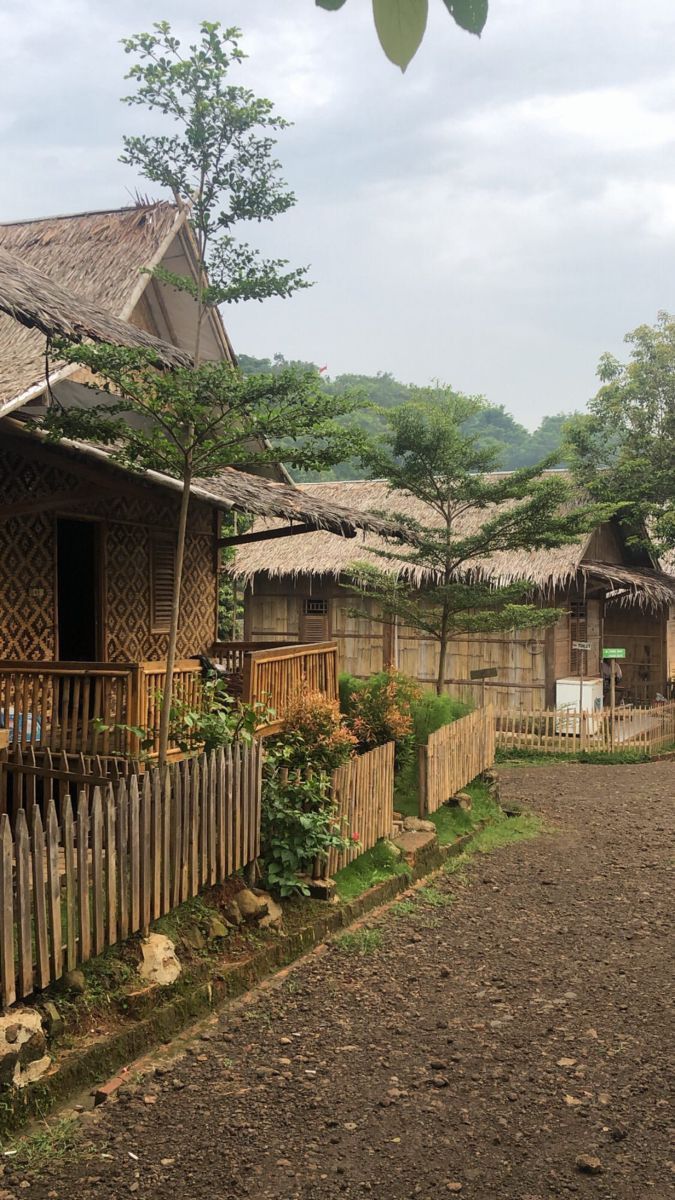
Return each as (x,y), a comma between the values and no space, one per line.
(567,695)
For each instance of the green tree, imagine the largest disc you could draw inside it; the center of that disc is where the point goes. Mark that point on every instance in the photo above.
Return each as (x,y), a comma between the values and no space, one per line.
(216,157)
(401,24)
(623,450)
(428,454)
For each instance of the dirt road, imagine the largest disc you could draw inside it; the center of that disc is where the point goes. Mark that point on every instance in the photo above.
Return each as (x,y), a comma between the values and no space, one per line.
(497,1030)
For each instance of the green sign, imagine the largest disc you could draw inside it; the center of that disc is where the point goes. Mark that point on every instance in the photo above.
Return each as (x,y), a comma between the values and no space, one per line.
(615,653)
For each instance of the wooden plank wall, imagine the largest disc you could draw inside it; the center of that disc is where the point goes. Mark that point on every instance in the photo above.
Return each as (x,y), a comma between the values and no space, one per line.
(120,859)
(453,756)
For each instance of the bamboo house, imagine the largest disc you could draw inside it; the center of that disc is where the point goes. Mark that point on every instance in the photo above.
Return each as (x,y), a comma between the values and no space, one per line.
(609,594)
(87,548)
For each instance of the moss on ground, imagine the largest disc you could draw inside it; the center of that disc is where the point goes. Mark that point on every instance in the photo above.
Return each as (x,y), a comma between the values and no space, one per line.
(368,869)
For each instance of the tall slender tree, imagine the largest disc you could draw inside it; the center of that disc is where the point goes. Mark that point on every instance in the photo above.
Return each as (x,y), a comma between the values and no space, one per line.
(216,157)
(441,586)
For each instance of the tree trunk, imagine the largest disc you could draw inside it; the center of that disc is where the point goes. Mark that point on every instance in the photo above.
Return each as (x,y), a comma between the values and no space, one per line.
(442,658)
(175,617)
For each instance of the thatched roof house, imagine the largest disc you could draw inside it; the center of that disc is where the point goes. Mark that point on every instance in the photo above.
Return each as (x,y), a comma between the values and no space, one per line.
(87,546)
(607,588)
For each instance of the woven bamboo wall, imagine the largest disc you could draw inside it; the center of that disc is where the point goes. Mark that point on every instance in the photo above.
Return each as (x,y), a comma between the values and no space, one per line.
(28,566)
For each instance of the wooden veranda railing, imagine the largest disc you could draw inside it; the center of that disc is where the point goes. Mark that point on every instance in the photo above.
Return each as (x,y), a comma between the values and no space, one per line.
(275,677)
(64,706)
(94,708)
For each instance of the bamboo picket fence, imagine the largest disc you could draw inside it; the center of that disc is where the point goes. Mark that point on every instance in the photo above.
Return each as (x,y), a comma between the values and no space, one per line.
(565,731)
(122,857)
(453,756)
(363,792)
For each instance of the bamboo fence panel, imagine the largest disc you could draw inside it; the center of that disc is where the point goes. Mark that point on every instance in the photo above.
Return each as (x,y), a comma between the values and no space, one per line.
(453,756)
(566,731)
(31,776)
(131,852)
(363,793)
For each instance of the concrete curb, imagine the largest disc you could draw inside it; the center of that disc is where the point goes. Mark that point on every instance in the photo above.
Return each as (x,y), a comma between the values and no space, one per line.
(97,1062)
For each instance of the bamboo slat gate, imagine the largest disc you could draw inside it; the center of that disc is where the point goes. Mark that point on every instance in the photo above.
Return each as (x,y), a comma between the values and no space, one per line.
(453,756)
(118,860)
(363,792)
(565,731)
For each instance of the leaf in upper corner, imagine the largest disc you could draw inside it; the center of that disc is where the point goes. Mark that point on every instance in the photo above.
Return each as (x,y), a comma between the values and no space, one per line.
(331,5)
(400,27)
(469,14)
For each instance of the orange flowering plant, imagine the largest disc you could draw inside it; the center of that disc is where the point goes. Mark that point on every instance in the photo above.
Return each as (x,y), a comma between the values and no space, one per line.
(380,709)
(314,728)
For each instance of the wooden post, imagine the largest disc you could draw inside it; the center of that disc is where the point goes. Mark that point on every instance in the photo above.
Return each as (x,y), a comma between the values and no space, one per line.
(612,702)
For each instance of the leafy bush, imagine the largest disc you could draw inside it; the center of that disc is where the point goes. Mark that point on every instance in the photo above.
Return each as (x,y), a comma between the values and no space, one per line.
(220,720)
(299,822)
(379,710)
(431,712)
(314,734)
(298,825)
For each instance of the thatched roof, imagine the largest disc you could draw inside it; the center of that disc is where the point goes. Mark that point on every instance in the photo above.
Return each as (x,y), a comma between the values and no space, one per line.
(320,554)
(96,256)
(38,302)
(233,490)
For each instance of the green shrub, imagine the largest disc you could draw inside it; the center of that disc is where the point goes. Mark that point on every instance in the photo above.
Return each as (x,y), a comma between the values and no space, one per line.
(431,712)
(379,710)
(298,825)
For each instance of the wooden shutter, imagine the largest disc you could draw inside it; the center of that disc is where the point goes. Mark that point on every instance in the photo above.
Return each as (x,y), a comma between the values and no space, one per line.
(578,633)
(162,575)
(314,622)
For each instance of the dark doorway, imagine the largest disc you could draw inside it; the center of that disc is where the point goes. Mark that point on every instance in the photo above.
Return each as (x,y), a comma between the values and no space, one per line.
(78,590)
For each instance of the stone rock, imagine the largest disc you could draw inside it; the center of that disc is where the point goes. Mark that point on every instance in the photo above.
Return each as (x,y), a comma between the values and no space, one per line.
(490,776)
(160,963)
(75,982)
(250,906)
(416,825)
(22,1054)
(52,1019)
(193,937)
(216,928)
(274,916)
(32,1071)
(588,1164)
(462,800)
(391,849)
(231,914)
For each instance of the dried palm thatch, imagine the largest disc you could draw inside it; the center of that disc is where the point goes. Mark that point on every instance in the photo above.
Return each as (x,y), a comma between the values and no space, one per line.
(36,301)
(545,570)
(236,490)
(96,256)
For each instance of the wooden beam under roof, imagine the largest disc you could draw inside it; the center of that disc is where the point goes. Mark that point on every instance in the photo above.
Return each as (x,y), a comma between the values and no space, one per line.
(267,535)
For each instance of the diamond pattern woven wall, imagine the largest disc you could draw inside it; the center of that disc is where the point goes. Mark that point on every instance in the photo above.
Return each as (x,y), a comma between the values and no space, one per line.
(27,566)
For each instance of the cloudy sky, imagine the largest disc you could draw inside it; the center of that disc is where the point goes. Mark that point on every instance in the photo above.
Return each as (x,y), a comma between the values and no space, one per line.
(495,218)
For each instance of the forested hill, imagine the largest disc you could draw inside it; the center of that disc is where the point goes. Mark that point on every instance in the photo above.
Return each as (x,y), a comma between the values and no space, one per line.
(518,447)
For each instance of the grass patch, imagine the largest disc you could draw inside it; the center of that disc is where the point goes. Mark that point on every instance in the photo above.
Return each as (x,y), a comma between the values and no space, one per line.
(434,897)
(361,941)
(503,831)
(532,758)
(368,869)
(46,1146)
(404,908)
